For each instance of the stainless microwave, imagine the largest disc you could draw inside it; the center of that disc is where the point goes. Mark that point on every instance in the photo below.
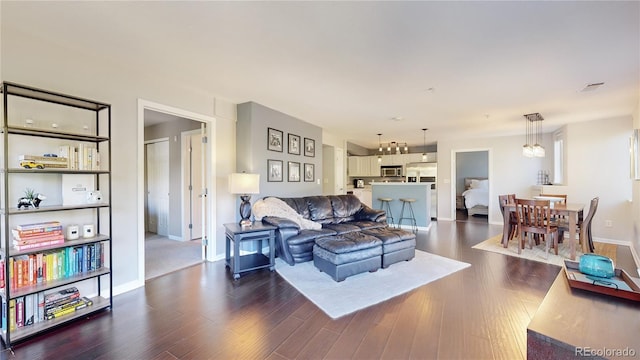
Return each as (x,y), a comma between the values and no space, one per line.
(386,171)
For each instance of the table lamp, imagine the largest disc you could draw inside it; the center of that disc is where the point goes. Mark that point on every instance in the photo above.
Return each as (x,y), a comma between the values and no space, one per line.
(244,184)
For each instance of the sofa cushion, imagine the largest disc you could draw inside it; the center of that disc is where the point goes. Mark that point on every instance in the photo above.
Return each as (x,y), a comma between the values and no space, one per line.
(346,258)
(320,209)
(344,208)
(309,236)
(348,242)
(341,228)
(365,224)
(393,239)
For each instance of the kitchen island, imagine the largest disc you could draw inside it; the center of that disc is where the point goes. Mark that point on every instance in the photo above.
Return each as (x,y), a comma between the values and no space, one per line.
(395,190)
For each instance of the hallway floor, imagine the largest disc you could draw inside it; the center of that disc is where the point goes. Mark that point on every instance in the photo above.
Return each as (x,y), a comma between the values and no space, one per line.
(163,256)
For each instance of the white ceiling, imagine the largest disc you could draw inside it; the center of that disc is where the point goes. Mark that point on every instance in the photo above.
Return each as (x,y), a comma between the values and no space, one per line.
(461,69)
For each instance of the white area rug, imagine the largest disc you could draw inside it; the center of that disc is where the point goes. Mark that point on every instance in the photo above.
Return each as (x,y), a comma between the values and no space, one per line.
(357,292)
(538,252)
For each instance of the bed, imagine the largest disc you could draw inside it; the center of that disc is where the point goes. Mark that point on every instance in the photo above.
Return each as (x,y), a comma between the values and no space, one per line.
(476,196)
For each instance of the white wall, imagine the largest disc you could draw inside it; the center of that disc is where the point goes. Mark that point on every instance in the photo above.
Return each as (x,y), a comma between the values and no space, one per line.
(30,61)
(598,165)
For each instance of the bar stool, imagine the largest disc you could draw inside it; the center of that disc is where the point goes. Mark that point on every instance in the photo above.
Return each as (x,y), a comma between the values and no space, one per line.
(385,205)
(412,218)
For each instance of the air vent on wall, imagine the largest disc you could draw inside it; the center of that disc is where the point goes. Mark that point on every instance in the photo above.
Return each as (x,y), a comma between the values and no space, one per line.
(592,87)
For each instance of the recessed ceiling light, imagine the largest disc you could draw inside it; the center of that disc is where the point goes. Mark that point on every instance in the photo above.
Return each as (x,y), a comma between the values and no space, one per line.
(592,87)
(397,118)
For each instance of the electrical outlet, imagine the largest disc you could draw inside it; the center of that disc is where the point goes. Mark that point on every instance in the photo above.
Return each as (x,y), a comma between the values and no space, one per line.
(608,223)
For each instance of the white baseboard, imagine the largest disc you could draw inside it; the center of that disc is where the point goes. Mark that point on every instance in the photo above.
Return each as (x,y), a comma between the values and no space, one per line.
(176,238)
(132,285)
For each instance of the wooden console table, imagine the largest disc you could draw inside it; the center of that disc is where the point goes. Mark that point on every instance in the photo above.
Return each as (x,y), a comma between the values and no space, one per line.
(573,323)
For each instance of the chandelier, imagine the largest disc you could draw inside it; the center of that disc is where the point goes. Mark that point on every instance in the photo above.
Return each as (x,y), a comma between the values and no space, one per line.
(396,147)
(532,147)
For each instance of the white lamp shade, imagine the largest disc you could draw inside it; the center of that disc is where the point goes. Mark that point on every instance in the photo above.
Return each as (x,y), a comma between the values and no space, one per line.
(538,150)
(243,183)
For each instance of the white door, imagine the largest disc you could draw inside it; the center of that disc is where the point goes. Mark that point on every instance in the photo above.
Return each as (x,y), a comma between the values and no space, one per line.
(339,171)
(192,161)
(158,187)
(203,144)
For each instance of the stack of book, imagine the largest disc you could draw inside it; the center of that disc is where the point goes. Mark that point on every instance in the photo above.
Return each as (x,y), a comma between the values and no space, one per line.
(38,307)
(64,302)
(33,236)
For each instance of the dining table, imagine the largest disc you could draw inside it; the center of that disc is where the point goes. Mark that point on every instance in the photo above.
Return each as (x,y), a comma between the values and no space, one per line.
(572,211)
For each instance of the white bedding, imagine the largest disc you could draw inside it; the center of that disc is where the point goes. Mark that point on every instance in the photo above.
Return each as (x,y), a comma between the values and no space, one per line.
(473,197)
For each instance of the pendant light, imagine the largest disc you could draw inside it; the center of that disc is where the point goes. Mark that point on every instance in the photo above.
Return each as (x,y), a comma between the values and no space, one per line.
(532,147)
(379,148)
(424,144)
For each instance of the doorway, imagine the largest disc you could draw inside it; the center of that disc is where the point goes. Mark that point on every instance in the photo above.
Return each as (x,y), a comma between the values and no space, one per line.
(471,165)
(171,165)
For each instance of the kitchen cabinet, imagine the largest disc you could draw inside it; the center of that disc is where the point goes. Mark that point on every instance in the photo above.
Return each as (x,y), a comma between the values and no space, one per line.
(366,166)
(369,166)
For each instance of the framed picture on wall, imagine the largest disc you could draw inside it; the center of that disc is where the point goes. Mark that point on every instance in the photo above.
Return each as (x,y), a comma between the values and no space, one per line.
(294,171)
(274,169)
(309,147)
(294,144)
(274,140)
(309,172)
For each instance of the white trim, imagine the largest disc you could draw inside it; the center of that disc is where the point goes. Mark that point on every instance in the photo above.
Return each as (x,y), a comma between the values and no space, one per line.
(153,141)
(410,228)
(145,104)
(452,184)
(131,285)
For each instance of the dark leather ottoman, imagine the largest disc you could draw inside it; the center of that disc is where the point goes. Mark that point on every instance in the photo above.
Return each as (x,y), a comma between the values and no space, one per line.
(348,254)
(397,244)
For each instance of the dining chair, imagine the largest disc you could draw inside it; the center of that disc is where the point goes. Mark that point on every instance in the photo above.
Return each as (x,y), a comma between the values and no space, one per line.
(513,221)
(584,226)
(533,219)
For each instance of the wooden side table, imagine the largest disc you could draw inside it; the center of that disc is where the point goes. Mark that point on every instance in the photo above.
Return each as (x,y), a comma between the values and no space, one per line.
(257,233)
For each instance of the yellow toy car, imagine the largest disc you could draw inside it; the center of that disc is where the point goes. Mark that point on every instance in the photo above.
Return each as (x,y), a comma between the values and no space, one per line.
(30,164)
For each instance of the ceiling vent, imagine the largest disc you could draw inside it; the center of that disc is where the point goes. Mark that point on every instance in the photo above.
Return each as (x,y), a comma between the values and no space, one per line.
(592,87)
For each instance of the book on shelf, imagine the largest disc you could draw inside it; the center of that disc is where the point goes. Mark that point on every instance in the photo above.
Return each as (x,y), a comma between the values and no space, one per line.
(59,162)
(58,240)
(82,157)
(60,294)
(20,312)
(49,235)
(36,231)
(40,225)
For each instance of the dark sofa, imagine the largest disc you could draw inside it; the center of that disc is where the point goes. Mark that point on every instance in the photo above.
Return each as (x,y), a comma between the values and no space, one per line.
(338,214)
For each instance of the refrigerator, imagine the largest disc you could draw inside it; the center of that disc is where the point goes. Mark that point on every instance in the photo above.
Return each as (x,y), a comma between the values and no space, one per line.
(425,172)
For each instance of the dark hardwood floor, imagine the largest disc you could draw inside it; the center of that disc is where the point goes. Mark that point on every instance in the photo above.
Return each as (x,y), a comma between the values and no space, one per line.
(200,313)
